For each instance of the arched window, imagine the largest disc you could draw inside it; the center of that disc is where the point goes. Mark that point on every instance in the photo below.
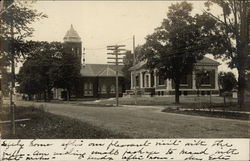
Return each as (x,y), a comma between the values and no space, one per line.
(88,89)
(104,88)
(112,89)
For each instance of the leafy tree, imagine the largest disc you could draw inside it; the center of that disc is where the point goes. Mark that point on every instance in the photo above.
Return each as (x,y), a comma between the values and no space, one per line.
(227,81)
(15,27)
(128,61)
(15,19)
(68,74)
(178,43)
(48,66)
(235,32)
(38,73)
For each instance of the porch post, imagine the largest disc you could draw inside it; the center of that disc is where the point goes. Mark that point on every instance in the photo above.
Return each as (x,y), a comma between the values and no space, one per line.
(216,79)
(141,79)
(169,84)
(132,80)
(149,80)
(145,79)
(155,83)
(193,80)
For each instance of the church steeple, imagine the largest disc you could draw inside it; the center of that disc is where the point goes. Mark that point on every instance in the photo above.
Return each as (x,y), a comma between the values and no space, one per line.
(71,35)
(73,43)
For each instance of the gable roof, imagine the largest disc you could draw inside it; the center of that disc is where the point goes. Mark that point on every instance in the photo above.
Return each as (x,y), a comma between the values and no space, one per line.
(100,70)
(203,62)
(207,61)
(138,66)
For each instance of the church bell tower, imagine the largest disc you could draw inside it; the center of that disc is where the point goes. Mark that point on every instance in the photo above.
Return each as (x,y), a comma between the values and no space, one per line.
(73,43)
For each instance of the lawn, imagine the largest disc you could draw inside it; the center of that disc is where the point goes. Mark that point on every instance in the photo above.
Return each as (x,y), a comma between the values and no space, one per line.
(185,101)
(45,125)
(209,113)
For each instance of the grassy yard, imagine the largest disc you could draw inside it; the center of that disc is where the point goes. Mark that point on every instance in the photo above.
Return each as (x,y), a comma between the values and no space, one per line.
(185,101)
(209,113)
(45,125)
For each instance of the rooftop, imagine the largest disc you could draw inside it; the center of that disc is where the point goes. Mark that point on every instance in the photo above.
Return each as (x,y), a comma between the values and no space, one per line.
(203,62)
(101,70)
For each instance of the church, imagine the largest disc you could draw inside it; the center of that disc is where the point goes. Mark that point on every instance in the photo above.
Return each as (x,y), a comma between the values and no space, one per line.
(97,80)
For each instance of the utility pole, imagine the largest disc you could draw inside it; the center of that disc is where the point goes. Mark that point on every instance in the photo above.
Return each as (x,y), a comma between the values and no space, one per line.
(134,62)
(116,53)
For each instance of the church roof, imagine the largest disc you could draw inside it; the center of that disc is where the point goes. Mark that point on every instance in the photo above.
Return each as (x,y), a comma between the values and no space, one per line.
(203,62)
(71,35)
(101,70)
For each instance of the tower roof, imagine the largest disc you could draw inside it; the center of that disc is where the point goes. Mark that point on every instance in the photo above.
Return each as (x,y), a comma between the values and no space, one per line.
(71,35)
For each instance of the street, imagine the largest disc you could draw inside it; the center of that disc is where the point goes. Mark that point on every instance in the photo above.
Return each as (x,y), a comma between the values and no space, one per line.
(149,121)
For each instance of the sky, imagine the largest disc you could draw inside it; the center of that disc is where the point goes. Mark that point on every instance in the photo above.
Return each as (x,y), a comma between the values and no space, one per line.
(103,23)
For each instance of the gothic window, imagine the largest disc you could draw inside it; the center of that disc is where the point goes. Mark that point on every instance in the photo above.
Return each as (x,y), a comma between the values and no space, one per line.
(88,89)
(103,89)
(112,89)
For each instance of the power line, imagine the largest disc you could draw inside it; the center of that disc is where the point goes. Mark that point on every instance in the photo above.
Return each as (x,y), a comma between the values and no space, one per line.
(101,48)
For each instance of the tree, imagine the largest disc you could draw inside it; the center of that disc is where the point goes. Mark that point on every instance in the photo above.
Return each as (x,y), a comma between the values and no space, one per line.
(178,43)
(40,69)
(227,80)
(48,66)
(235,32)
(15,19)
(128,61)
(15,27)
(68,74)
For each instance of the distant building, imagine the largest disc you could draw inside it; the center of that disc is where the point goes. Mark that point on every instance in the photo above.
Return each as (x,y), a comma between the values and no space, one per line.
(150,83)
(97,80)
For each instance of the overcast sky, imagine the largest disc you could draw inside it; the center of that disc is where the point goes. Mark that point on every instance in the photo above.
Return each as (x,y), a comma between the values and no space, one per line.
(102,23)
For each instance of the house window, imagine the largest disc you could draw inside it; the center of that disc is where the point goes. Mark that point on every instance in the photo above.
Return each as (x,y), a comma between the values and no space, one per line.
(147,80)
(77,50)
(183,81)
(137,81)
(152,79)
(143,79)
(206,78)
(88,89)
(161,80)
